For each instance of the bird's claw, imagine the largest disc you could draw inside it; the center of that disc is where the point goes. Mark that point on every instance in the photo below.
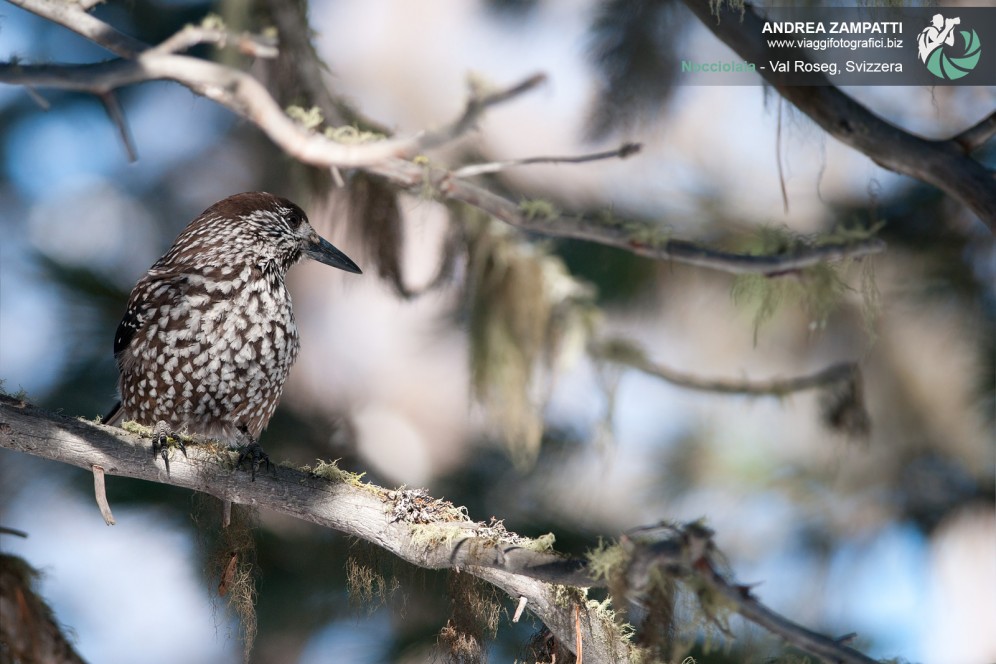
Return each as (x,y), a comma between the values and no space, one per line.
(160,442)
(255,454)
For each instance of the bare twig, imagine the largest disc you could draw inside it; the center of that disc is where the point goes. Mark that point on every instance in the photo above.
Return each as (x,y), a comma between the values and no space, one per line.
(117,116)
(100,491)
(578,643)
(519,608)
(475,108)
(193,35)
(37,98)
(778,159)
(942,163)
(74,16)
(623,151)
(369,512)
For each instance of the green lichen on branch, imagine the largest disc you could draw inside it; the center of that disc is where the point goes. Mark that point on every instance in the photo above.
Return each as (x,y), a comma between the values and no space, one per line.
(352,135)
(643,234)
(538,210)
(230,560)
(424,535)
(20,395)
(474,619)
(607,560)
(174,438)
(619,351)
(848,233)
(716,5)
(213,21)
(528,317)
(818,290)
(366,585)
(309,118)
(416,506)
(541,544)
(567,596)
(330,470)
(134,427)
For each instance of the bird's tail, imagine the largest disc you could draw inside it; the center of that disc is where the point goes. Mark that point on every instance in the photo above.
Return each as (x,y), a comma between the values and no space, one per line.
(114,417)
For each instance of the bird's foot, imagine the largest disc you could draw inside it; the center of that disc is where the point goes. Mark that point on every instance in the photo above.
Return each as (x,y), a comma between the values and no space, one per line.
(253,453)
(160,442)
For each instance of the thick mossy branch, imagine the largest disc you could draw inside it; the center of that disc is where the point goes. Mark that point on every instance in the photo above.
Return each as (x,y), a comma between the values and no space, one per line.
(554,585)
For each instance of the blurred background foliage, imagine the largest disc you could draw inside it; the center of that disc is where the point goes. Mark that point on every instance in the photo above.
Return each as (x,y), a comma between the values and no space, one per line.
(459,362)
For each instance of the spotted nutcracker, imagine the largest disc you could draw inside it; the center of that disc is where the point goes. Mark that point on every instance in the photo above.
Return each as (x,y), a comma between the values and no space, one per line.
(209,336)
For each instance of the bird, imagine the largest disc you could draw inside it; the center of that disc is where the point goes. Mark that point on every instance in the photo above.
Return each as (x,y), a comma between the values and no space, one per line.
(208,335)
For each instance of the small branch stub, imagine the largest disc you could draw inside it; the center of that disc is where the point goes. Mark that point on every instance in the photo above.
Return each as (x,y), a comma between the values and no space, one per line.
(100,491)
(520,608)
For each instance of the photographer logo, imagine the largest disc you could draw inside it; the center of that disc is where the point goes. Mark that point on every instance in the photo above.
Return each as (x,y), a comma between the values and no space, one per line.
(936,48)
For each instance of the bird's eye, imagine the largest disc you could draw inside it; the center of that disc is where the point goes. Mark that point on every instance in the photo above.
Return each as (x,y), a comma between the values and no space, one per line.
(294,220)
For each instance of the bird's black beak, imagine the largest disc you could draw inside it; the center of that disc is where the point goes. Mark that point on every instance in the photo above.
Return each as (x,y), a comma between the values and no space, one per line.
(324,251)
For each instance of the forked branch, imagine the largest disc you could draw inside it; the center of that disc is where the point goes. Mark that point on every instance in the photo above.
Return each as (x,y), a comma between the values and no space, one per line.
(246,96)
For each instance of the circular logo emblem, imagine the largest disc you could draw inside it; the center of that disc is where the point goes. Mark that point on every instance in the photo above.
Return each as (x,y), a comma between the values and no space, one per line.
(947,52)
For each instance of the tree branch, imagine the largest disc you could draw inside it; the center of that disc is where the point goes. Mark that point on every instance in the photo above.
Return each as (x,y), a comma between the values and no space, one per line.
(450,540)
(422,530)
(229,87)
(476,106)
(247,97)
(640,240)
(623,151)
(234,89)
(627,354)
(689,552)
(944,164)
(978,134)
(193,35)
(73,16)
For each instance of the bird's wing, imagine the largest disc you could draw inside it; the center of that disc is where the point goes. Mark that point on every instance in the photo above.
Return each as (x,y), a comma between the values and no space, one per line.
(152,292)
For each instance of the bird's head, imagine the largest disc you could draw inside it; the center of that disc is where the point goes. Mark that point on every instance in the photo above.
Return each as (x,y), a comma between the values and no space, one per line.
(256,228)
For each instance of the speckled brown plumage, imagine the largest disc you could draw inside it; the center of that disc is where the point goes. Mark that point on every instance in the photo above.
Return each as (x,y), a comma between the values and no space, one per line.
(208,336)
